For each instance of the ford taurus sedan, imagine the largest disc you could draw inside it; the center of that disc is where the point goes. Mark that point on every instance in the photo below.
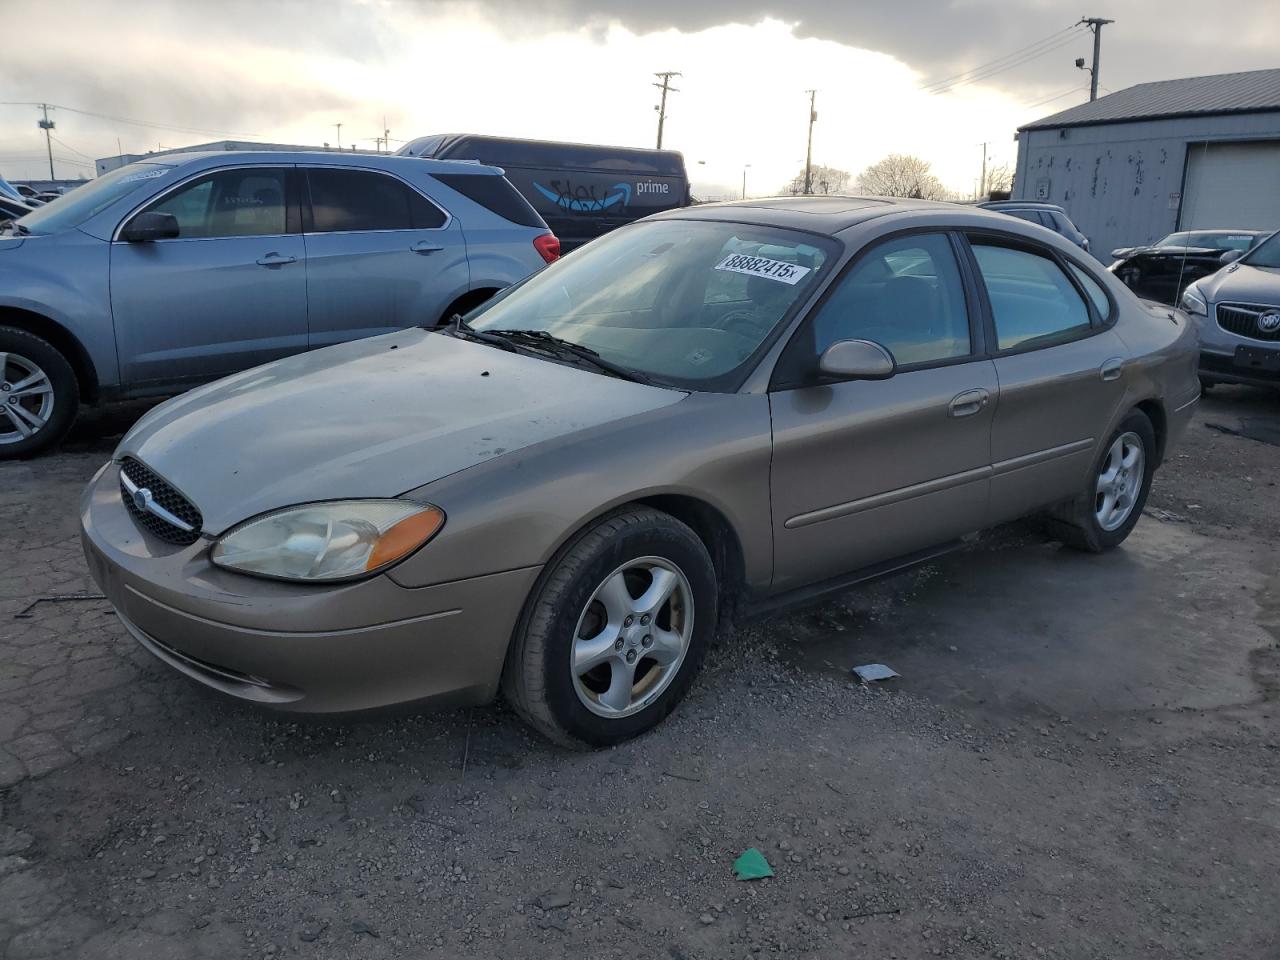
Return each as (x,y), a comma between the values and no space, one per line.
(705,414)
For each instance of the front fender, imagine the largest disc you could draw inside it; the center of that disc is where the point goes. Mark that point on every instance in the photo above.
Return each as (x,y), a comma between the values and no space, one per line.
(66,279)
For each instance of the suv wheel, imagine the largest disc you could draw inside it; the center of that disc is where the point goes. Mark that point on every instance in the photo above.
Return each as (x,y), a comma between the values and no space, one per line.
(38,394)
(615,632)
(1106,512)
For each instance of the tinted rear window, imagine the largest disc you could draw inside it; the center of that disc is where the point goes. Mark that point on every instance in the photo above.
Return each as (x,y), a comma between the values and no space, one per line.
(343,200)
(495,194)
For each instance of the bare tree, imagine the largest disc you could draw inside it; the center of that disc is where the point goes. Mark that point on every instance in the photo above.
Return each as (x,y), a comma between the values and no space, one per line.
(999,181)
(825,180)
(902,175)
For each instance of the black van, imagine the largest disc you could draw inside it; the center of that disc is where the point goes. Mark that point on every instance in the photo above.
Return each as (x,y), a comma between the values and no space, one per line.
(581,190)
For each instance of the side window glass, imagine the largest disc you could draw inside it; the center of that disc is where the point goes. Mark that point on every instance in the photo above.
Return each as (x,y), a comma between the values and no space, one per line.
(230,203)
(905,295)
(1031,298)
(1095,291)
(347,200)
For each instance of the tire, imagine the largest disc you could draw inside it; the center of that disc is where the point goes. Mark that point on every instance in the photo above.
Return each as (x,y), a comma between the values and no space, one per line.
(1079,523)
(580,593)
(44,413)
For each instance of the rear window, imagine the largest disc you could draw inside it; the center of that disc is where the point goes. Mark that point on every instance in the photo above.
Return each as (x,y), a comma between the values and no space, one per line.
(495,194)
(354,200)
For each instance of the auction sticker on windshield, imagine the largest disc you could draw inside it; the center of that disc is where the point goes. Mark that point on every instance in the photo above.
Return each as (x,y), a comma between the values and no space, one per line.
(780,270)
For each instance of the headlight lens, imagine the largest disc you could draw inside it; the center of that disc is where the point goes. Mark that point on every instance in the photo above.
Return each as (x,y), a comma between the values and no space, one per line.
(319,542)
(1194,303)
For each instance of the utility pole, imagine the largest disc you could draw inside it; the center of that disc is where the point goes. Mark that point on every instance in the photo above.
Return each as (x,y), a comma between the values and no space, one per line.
(982,186)
(339,126)
(47,125)
(666,88)
(1095,24)
(745,168)
(386,134)
(808,153)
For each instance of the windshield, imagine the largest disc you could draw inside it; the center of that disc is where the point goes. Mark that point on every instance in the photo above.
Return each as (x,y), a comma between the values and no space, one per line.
(1212,241)
(687,303)
(74,208)
(1266,254)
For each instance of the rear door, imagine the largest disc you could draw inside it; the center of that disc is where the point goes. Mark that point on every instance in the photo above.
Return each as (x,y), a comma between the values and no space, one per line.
(865,471)
(1060,368)
(381,256)
(228,293)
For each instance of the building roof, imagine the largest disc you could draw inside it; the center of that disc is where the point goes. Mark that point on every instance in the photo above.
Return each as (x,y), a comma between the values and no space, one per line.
(1253,91)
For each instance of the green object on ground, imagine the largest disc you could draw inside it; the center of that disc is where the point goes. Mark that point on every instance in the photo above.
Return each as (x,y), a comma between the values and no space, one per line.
(752,865)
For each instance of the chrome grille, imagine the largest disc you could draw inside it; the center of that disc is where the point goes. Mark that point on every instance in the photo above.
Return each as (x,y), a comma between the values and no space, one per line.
(1242,320)
(156,506)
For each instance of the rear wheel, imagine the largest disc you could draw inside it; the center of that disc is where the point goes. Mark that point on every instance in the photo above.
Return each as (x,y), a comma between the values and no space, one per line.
(615,632)
(1105,513)
(38,394)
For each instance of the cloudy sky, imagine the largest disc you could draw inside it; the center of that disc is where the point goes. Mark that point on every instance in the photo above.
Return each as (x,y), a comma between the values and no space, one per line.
(935,79)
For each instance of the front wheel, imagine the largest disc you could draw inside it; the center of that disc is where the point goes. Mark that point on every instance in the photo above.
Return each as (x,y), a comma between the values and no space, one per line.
(1106,512)
(38,394)
(615,631)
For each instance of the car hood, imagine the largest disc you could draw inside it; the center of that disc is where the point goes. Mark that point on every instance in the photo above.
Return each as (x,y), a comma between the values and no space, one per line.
(371,418)
(1239,281)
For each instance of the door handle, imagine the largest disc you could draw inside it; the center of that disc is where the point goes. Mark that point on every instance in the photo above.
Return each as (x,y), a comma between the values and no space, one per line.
(968,403)
(275,260)
(1111,369)
(425,247)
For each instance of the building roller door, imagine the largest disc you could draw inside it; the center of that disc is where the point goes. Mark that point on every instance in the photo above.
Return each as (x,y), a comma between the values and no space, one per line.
(1232,186)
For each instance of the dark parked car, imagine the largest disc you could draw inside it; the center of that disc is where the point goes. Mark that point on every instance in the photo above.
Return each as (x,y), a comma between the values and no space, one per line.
(581,190)
(1221,240)
(1046,214)
(1164,270)
(12,209)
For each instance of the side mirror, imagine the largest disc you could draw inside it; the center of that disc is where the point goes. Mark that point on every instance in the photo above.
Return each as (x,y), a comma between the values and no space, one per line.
(146,227)
(856,360)
(1231,256)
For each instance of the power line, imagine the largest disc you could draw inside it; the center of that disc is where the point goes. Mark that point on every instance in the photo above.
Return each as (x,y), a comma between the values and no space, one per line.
(943,81)
(70,147)
(1056,96)
(176,128)
(986,74)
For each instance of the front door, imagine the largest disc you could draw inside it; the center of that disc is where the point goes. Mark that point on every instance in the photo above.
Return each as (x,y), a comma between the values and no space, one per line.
(866,471)
(1061,373)
(229,292)
(380,256)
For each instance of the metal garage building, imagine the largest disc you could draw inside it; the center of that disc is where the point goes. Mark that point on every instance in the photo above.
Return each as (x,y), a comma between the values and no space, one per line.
(1158,157)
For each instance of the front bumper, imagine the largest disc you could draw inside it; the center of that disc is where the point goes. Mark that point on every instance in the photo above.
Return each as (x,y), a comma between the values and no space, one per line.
(1220,366)
(307,648)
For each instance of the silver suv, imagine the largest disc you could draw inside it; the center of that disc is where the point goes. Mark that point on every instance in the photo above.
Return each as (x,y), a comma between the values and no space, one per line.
(1238,313)
(167,273)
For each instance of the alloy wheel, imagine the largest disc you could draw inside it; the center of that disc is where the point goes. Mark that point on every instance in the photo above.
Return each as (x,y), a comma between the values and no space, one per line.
(26,398)
(632,637)
(1119,481)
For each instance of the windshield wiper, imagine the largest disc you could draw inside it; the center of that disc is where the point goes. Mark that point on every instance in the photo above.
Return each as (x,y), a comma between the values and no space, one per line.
(457,327)
(561,348)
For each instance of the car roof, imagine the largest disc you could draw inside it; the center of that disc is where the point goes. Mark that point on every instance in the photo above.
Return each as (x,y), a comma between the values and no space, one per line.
(826,214)
(334,158)
(1020,204)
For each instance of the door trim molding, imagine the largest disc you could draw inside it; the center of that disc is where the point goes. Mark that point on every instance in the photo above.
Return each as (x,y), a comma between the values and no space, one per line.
(888,497)
(1041,456)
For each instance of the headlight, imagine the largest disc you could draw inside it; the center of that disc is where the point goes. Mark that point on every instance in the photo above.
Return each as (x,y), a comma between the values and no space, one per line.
(319,542)
(1194,303)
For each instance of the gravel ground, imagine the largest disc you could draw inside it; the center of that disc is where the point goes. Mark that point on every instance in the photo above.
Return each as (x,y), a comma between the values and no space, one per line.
(1079,761)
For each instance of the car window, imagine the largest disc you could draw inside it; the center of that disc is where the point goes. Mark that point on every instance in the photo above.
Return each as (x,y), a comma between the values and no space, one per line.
(906,295)
(345,200)
(1031,215)
(1031,298)
(687,302)
(1095,291)
(1265,254)
(230,203)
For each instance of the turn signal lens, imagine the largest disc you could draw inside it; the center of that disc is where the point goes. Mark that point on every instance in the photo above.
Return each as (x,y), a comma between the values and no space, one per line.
(325,542)
(405,537)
